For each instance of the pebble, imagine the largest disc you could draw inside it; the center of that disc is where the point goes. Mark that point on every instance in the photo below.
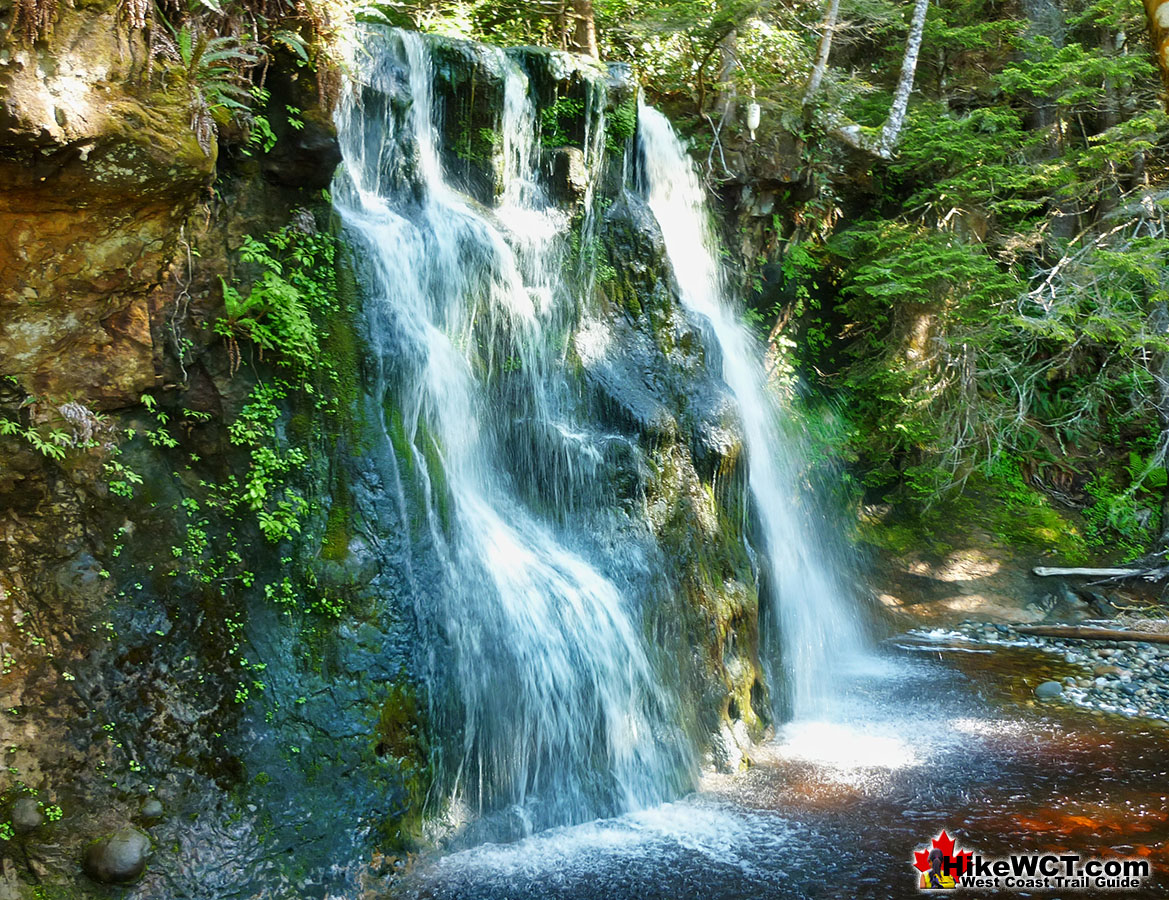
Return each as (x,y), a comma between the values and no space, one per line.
(152,809)
(1126,678)
(118,858)
(26,815)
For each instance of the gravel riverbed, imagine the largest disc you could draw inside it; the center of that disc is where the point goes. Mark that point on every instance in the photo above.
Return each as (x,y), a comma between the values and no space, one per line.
(1130,678)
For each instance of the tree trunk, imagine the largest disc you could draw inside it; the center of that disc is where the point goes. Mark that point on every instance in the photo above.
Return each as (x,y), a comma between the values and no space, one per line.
(1158,15)
(892,130)
(728,62)
(827,30)
(584,28)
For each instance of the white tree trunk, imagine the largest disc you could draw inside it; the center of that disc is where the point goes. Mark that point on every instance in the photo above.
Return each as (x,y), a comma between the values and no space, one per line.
(827,30)
(728,63)
(892,130)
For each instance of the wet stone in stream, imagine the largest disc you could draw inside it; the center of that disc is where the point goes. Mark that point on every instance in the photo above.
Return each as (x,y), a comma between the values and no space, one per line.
(119,858)
(26,815)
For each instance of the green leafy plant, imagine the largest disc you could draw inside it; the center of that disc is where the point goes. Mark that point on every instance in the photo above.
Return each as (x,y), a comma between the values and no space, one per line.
(277,312)
(555,120)
(216,72)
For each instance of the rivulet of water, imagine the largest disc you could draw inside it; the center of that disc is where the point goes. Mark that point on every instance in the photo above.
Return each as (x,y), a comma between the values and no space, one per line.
(818,630)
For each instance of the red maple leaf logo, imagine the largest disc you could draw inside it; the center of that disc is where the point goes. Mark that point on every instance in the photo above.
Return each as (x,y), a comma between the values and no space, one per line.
(945,843)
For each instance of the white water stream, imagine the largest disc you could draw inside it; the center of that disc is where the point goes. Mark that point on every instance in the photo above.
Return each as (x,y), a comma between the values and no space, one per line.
(557,712)
(819,635)
(543,685)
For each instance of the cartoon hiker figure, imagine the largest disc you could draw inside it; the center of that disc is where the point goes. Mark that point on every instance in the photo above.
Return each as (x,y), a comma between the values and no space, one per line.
(941,865)
(935,879)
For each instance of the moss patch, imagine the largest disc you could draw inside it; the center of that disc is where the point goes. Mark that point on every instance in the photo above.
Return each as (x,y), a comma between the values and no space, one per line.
(338,529)
(1015,516)
(400,739)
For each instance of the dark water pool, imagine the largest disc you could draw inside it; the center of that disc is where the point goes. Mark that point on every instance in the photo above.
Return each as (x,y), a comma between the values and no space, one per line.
(932,734)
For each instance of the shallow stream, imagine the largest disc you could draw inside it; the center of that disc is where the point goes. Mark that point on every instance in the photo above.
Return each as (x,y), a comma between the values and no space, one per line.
(929,734)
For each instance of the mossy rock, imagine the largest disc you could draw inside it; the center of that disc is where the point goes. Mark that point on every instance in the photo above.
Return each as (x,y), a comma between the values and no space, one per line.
(399,737)
(469,87)
(553,74)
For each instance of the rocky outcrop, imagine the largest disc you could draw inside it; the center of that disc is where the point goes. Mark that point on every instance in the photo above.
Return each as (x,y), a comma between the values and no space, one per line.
(99,168)
(646,364)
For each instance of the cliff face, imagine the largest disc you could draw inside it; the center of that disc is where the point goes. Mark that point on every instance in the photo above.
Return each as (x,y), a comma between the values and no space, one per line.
(96,179)
(99,169)
(204,597)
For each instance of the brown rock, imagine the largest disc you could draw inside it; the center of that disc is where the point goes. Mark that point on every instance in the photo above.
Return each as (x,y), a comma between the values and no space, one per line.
(97,176)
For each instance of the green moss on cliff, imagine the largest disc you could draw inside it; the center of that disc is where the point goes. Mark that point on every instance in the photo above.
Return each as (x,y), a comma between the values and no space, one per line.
(999,509)
(399,737)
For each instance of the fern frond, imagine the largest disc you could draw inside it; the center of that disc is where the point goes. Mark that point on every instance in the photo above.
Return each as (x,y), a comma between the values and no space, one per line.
(292,41)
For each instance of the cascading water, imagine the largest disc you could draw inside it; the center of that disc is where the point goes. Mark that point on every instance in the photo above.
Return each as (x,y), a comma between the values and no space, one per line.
(550,705)
(818,632)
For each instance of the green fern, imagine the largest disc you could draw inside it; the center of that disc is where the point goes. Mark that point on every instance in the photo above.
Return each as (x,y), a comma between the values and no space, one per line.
(216,68)
(277,313)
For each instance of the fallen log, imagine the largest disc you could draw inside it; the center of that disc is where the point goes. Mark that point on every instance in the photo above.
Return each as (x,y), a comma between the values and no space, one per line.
(1083,633)
(1100,573)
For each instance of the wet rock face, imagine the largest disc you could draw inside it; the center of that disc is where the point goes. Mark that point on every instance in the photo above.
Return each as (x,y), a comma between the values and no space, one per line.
(567,175)
(554,75)
(99,174)
(653,380)
(119,858)
(306,152)
(306,158)
(469,93)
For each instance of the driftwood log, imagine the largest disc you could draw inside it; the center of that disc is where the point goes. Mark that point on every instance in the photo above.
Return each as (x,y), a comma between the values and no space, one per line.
(1087,633)
(1099,573)
(1152,573)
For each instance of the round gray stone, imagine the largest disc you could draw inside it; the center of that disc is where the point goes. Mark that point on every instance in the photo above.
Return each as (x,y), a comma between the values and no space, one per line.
(118,858)
(26,815)
(152,808)
(1048,689)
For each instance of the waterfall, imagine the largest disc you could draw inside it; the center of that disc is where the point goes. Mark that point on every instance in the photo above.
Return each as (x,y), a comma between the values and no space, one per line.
(542,686)
(818,634)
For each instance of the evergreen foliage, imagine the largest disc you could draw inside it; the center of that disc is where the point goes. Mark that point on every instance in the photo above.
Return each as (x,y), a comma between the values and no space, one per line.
(989,302)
